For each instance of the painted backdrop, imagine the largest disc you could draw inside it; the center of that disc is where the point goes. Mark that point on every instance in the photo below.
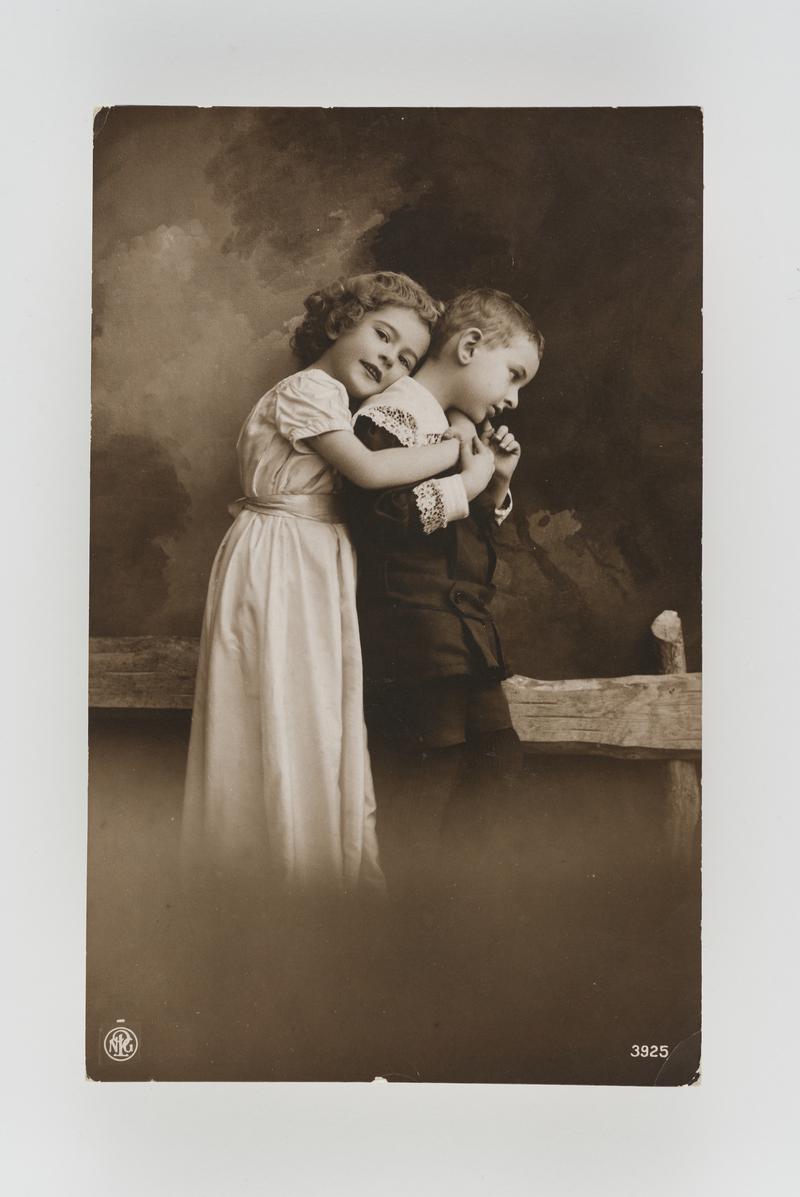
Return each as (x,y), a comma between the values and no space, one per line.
(211,225)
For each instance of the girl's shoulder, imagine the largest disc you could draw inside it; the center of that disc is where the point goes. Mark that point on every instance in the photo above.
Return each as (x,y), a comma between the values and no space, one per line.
(310,396)
(307,403)
(312,384)
(298,397)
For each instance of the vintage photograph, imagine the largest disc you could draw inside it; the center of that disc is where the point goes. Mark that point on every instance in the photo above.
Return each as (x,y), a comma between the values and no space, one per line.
(395,551)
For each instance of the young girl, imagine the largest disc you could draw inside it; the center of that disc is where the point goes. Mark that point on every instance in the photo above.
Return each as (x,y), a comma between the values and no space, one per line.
(278,788)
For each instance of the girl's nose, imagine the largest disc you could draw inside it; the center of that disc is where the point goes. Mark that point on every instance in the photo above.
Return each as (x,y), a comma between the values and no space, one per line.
(512,399)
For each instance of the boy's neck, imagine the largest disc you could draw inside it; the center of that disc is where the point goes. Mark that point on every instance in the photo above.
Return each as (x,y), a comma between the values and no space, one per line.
(438,377)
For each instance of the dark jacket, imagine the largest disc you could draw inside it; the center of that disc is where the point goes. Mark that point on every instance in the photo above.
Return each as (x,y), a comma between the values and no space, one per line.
(423,598)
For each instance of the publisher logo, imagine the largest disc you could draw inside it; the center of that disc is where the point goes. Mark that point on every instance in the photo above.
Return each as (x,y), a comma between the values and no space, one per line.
(120,1043)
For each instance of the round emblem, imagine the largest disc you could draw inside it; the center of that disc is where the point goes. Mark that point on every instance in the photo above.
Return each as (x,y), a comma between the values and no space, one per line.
(120,1043)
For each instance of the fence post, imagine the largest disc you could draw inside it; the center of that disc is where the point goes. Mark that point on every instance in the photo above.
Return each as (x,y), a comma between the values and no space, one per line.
(683,799)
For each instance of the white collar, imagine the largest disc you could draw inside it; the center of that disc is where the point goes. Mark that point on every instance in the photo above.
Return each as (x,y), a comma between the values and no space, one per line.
(407,409)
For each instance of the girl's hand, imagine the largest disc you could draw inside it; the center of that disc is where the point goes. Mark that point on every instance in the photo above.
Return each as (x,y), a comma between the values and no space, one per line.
(451,439)
(477,467)
(461,426)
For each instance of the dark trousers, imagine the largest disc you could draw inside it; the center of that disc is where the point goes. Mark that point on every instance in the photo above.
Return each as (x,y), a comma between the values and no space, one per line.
(446,764)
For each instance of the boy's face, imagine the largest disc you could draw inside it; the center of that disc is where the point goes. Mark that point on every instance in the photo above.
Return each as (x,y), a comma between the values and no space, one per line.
(385,345)
(490,381)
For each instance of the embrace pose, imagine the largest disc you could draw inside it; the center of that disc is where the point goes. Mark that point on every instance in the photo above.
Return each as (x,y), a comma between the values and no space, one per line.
(438,719)
(278,788)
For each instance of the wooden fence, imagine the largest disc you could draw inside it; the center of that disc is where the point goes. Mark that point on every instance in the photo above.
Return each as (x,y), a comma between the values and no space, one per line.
(647,715)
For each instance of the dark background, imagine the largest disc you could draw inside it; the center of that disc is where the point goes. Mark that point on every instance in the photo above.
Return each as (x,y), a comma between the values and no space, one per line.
(212,225)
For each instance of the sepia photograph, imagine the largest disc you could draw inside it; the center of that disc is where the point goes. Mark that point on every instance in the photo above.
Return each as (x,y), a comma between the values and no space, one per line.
(395,584)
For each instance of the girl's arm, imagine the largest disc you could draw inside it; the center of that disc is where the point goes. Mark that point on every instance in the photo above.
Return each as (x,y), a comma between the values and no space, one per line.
(387,467)
(410,511)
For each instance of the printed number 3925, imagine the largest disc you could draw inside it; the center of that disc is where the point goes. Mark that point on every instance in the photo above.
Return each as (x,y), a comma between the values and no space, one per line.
(653,1049)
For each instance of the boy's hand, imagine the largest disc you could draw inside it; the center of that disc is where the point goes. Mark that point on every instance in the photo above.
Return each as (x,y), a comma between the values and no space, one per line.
(461,426)
(477,467)
(506,451)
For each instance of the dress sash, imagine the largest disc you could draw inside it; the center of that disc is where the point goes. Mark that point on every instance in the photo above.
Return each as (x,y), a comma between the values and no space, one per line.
(324,508)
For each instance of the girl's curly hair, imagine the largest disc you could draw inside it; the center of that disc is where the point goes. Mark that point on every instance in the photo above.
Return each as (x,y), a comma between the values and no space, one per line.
(334,309)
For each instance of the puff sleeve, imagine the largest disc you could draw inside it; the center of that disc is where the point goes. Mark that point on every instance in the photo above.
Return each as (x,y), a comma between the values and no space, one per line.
(310,403)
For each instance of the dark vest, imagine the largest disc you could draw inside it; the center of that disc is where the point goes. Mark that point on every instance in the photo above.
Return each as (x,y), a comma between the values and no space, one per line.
(424,600)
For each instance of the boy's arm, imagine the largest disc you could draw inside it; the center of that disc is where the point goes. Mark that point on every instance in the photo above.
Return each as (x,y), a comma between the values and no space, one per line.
(494,505)
(496,502)
(489,512)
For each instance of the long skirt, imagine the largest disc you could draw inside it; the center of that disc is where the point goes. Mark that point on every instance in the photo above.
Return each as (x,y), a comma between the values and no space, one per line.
(278,789)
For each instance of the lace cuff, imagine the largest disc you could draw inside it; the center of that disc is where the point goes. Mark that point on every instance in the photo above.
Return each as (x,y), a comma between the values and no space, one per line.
(456,503)
(440,500)
(430,505)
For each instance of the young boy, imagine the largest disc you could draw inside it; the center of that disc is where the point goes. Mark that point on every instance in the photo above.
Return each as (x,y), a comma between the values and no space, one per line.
(438,719)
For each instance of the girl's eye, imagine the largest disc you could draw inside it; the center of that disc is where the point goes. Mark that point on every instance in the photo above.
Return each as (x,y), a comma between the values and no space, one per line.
(383,335)
(405,363)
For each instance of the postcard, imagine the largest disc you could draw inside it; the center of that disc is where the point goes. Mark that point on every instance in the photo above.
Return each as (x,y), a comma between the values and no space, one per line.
(395,646)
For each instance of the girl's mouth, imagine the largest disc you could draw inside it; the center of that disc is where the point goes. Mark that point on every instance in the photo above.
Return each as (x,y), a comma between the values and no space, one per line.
(373,371)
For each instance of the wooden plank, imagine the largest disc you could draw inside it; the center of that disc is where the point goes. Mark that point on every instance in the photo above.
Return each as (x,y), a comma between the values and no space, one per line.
(636,716)
(142,671)
(639,716)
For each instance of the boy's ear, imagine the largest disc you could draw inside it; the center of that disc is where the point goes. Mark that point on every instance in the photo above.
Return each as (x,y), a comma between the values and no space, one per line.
(468,342)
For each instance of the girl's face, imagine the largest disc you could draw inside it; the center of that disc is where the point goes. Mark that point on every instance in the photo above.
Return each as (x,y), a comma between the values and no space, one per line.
(385,345)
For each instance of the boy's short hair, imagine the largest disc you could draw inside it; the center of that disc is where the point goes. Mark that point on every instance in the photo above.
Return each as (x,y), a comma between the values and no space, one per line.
(496,314)
(335,308)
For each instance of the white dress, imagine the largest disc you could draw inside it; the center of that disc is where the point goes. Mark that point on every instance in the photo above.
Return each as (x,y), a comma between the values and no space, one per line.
(278,786)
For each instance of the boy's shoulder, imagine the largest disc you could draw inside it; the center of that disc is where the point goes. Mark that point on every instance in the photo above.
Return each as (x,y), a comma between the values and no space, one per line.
(407,410)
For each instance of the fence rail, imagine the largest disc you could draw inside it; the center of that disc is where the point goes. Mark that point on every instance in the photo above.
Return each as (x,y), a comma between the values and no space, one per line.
(647,715)
(642,716)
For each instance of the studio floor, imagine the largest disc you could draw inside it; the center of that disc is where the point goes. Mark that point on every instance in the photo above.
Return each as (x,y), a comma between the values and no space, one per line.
(577,961)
